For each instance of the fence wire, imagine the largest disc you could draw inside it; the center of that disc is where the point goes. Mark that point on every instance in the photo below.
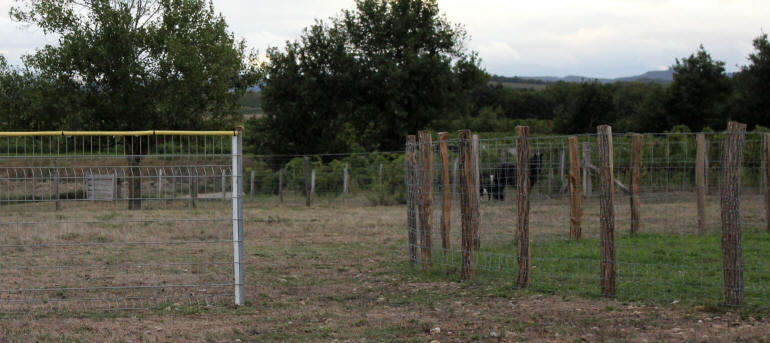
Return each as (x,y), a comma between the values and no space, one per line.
(669,259)
(375,178)
(115,222)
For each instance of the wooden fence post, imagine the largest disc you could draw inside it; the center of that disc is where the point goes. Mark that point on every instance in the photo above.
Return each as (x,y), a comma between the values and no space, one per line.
(607,211)
(731,213)
(160,183)
(280,185)
(224,185)
(523,257)
(174,178)
(455,174)
(312,182)
(307,181)
(34,183)
(476,195)
(562,176)
(700,180)
(410,159)
(446,214)
(193,187)
(575,196)
(345,181)
(586,169)
(56,181)
(425,197)
(766,173)
(468,208)
(707,166)
(251,184)
(636,170)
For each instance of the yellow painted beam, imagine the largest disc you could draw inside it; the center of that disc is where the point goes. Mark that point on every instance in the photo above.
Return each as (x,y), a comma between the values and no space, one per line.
(120,133)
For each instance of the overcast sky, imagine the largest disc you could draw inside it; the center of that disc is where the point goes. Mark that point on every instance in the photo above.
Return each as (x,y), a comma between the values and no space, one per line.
(596,38)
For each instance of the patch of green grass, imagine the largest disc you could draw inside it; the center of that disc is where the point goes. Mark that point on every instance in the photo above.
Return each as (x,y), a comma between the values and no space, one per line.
(650,268)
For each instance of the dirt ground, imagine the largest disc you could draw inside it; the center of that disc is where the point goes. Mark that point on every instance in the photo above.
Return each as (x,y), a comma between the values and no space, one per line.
(336,273)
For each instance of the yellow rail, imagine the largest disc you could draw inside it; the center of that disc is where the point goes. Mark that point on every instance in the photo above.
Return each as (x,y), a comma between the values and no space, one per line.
(120,133)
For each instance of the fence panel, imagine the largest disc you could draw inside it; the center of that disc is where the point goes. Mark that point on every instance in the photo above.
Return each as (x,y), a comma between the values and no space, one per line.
(669,258)
(159,232)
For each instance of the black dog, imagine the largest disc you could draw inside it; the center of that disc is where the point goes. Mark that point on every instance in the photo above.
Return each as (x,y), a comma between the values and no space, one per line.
(506,174)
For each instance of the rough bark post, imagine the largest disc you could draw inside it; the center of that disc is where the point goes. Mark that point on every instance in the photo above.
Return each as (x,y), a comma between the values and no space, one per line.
(308,193)
(562,177)
(379,178)
(193,187)
(634,187)
(251,183)
(425,197)
(586,169)
(607,210)
(766,173)
(56,181)
(410,159)
(34,183)
(476,195)
(224,185)
(575,196)
(280,185)
(467,171)
(446,214)
(345,181)
(731,213)
(455,174)
(700,180)
(160,184)
(550,178)
(173,184)
(523,188)
(707,166)
(312,182)
(133,145)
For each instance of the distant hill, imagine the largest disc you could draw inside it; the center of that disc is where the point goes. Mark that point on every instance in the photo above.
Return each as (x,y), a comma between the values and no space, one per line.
(661,76)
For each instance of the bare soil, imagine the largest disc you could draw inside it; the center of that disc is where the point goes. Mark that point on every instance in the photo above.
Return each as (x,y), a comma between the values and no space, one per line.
(339,273)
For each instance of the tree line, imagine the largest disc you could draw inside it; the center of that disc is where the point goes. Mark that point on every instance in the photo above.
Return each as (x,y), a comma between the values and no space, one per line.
(359,81)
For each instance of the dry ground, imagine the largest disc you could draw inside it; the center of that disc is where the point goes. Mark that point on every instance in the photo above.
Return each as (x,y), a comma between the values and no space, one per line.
(338,273)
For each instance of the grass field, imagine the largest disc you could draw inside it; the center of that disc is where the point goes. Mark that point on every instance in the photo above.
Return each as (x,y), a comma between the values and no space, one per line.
(338,272)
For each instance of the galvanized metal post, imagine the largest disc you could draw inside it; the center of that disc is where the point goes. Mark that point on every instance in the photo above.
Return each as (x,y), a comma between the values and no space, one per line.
(237,198)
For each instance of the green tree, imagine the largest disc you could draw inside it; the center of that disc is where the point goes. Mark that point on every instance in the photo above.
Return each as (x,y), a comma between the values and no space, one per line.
(698,96)
(588,105)
(751,101)
(133,64)
(639,107)
(365,79)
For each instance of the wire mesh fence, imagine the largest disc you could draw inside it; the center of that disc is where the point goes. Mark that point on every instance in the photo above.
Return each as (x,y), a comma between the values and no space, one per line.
(102,221)
(375,178)
(668,223)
